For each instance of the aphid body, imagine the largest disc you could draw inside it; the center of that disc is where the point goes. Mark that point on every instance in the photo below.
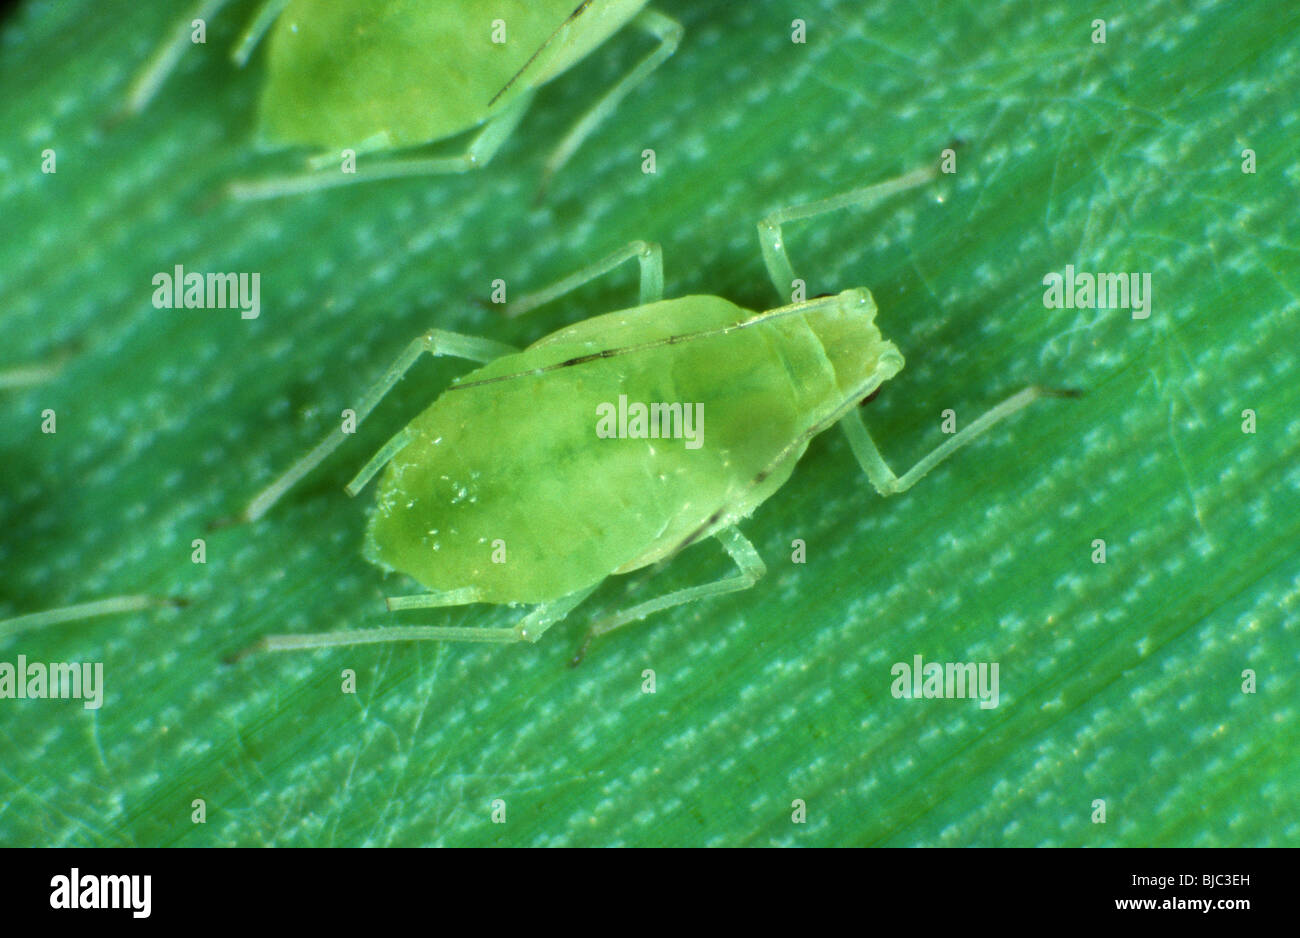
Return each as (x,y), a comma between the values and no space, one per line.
(410,72)
(510,487)
(381,78)
(519,460)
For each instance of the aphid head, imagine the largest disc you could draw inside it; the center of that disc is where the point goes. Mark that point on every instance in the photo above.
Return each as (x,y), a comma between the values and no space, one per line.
(861,357)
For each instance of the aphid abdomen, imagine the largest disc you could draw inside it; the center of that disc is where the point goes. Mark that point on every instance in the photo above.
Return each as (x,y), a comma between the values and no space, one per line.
(415,72)
(340,74)
(768,386)
(525,464)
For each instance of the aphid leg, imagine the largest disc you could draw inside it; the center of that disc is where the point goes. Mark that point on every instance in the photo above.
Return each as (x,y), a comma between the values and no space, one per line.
(479,153)
(21,376)
(261,22)
(436,343)
(41,370)
(435,599)
(649,254)
(883,478)
(377,462)
(669,33)
(769,229)
(742,552)
(379,143)
(529,629)
(163,62)
(99,607)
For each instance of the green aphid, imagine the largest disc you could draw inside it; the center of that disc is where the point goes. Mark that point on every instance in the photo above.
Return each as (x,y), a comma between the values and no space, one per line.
(382,78)
(529,480)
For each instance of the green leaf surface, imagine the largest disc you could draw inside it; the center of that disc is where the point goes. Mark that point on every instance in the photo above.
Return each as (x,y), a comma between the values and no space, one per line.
(1119,681)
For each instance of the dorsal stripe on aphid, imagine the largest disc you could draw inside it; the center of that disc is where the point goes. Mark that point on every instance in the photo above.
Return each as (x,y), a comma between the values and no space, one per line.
(540,49)
(779,312)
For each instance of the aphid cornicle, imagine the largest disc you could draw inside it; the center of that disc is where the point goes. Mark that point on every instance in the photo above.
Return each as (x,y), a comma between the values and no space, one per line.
(503,490)
(390,75)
